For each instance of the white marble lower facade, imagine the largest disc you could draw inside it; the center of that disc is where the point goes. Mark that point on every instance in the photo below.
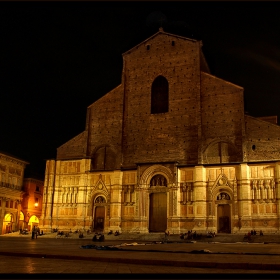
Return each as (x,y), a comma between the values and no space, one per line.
(230,198)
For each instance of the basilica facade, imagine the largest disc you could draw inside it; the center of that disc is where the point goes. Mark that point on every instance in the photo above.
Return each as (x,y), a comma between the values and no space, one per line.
(170,148)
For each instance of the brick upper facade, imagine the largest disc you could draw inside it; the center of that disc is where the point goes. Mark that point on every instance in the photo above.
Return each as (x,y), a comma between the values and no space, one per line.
(205,121)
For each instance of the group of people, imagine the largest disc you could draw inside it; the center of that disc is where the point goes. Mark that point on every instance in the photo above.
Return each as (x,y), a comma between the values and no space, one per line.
(251,233)
(35,232)
(115,234)
(211,234)
(98,236)
(190,235)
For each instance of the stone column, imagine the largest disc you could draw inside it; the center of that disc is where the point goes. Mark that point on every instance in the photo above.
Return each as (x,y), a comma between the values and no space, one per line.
(199,197)
(2,215)
(17,216)
(49,188)
(116,202)
(174,211)
(244,197)
(143,202)
(277,192)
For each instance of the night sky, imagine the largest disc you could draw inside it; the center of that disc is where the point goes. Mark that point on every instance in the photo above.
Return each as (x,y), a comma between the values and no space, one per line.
(57,58)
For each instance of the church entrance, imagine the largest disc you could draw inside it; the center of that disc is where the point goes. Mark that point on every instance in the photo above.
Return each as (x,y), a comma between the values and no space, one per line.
(223,215)
(99,218)
(99,213)
(158,212)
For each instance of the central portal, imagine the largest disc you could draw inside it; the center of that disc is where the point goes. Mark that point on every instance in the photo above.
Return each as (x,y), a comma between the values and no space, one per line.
(158,212)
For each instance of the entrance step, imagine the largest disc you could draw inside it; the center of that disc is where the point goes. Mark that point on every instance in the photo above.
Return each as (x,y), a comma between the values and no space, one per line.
(137,236)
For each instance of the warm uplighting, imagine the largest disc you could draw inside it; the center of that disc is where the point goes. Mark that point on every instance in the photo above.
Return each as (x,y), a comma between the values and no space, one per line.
(36,204)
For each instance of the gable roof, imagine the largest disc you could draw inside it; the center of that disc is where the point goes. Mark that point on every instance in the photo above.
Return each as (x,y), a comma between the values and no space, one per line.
(156,34)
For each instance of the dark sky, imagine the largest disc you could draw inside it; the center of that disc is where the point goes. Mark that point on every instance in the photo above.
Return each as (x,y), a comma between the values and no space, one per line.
(57,58)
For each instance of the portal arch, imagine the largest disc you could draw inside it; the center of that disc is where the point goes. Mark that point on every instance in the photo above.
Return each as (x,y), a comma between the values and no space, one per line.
(156,181)
(151,171)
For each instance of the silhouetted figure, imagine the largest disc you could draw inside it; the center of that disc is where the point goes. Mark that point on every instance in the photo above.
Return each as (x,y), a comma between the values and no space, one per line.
(249,235)
(34,232)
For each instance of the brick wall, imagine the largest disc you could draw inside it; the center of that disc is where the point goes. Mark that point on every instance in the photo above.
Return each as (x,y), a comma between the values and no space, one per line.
(168,136)
(222,115)
(263,140)
(205,119)
(74,148)
(105,123)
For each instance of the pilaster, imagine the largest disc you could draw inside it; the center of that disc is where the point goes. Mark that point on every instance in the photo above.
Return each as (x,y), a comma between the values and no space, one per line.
(199,192)
(244,197)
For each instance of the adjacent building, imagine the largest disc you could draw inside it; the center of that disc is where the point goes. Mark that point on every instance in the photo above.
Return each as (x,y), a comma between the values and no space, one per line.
(11,192)
(31,206)
(170,148)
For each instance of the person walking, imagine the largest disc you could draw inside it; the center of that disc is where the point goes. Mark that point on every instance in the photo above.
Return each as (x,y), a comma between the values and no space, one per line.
(33,232)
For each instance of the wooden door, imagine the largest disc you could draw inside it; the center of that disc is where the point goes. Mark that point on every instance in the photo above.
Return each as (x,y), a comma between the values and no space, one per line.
(99,218)
(158,212)
(224,219)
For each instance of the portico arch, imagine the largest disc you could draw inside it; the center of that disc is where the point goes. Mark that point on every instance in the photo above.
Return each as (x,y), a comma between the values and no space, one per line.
(8,223)
(33,221)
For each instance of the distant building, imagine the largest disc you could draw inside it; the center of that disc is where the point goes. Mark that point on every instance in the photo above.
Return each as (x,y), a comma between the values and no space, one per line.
(31,205)
(11,192)
(170,148)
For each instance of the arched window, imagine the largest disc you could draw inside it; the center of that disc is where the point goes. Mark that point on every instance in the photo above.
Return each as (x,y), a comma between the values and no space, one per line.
(103,159)
(159,96)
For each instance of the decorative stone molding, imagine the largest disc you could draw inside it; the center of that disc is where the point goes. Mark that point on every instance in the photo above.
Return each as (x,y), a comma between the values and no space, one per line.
(262,190)
(99,187)
(186,190)
(223,196)
(220,187)
(157,189)
(128,203)
(153,170)
(222,182)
